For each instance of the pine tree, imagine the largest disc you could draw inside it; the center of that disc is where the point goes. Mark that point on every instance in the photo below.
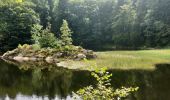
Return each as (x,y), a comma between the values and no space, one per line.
(65,34)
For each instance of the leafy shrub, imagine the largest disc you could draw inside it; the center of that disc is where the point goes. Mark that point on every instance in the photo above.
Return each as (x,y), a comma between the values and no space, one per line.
(44,38)
(48,40)
(36,47)
(103,91)
(24,47)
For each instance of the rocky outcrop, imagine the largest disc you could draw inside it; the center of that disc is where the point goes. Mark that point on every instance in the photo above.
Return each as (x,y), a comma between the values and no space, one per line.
(49,55)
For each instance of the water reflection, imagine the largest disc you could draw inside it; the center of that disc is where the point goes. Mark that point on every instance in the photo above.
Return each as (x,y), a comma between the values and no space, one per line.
(42,81)
(38,81)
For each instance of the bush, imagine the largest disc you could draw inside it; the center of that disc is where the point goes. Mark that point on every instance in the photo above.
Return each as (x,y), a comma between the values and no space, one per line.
(24,47)
(48,40)
(44,38)
(103,91)
(36,47)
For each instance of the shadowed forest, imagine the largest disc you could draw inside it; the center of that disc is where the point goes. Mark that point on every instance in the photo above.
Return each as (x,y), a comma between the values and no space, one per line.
(95,24)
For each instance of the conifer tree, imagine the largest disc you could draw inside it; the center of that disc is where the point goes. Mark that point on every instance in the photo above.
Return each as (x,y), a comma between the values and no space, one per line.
(65,34)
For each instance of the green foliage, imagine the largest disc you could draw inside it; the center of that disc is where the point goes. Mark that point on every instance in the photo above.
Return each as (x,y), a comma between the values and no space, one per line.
(19,1)
(44,38)
(121,40)
(125,19)
(36,33)
(48,40)
(10,1)
(65,34)
(25,46)
(16,22)
(103,90)
(96,23)
(36,47)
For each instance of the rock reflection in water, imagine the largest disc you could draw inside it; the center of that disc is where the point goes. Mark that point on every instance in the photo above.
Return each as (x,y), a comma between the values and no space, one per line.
(38,80)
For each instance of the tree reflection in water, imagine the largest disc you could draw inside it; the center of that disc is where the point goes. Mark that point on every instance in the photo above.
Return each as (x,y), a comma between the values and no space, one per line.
(31,81)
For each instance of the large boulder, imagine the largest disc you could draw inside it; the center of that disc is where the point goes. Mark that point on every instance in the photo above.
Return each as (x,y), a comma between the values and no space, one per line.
(80,56)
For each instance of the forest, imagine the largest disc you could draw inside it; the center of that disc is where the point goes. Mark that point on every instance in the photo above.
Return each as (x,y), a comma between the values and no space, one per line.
(84,49)
(95,24)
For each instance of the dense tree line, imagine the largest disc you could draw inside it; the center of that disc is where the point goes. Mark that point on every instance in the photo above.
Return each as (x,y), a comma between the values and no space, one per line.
(95,24)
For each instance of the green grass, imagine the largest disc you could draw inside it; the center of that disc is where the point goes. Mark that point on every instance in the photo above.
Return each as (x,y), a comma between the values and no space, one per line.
(143,59)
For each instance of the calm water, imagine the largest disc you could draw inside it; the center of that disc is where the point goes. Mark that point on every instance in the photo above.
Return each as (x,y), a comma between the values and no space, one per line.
(19,82)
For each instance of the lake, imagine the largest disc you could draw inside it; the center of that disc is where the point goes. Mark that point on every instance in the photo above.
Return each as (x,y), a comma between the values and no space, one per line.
(42,81)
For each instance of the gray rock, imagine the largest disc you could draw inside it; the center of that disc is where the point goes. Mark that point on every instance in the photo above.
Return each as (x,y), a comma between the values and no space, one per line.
(26,58)
(18,58)
(57,55)
(91,56)
(80,56)
(85,51)
(90,51)
(49,59)
(33,59)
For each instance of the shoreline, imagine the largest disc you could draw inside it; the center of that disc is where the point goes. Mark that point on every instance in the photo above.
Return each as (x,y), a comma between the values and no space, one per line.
(33,59)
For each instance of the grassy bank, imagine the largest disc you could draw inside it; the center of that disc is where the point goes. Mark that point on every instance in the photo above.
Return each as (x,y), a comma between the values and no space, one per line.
(142,59)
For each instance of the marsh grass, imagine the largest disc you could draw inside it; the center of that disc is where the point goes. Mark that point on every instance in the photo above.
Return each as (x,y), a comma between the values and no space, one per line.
(142,59)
